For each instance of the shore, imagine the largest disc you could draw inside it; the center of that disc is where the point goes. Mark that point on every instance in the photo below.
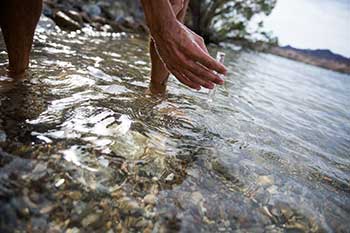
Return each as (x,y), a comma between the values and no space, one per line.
(104,15)
(320,58)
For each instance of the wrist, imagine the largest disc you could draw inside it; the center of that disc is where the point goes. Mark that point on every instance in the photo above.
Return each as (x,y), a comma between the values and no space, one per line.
(162,28)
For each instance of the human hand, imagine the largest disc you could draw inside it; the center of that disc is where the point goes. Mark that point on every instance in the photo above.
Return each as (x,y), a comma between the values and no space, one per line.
(185,56)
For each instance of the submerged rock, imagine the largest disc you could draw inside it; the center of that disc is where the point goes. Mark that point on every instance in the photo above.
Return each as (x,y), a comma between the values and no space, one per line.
(90,220)
(149,199)
(265,180)
(46,24)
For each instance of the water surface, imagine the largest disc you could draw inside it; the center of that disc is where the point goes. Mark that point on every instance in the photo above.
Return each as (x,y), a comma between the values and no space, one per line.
(83,146)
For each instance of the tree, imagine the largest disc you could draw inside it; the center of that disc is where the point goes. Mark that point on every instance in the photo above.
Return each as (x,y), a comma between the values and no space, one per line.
(216,20)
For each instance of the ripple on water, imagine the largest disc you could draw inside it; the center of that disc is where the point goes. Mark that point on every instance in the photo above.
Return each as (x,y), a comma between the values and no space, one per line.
(270,153)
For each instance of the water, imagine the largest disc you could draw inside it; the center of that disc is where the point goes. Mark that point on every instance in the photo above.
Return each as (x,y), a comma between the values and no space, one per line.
(83,146)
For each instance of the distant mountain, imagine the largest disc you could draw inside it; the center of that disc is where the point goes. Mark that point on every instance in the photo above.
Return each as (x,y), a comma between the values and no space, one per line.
(320,57)
(320,53)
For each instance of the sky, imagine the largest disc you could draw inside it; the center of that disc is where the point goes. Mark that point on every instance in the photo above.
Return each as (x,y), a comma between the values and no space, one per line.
(312,24)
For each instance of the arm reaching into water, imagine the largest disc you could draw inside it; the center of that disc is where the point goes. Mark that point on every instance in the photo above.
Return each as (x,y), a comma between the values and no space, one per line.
(183,52)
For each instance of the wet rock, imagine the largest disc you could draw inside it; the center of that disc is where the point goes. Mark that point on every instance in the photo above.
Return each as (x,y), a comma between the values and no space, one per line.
(85,17)
(46,24)
(170,177)
(73,230)
(47,10)
(112,9)
(106,28)
(59,183)
(65,22)
(91,219)
(98,19)
(75,195)
(130,207)
(39,171)
(220,168)
(2,136)
(149,199)
(127,22)
(272,189)
(265,180)
(39,224)
(76,16)
(92,10)
(47,209)
(197,197)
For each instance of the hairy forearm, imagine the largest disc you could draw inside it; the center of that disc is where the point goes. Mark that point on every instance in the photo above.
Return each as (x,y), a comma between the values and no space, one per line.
(159,15)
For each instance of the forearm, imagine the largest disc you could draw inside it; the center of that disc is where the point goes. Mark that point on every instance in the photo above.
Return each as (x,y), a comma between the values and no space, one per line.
(159,15)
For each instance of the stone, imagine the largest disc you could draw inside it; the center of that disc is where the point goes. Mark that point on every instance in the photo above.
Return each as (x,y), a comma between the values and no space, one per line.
(127,22)
(3,136)
(265,180)
(46,24)
(90,219)
(75,195)
(130,207)
(73,230)
(76,16)
(47,10)
(39,171)
(170,177)
(150,199)
(92,10)
(59,183)
(65,22)
(196,197)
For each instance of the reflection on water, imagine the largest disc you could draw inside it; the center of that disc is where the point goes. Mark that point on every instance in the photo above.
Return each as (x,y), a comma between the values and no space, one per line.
(83,146)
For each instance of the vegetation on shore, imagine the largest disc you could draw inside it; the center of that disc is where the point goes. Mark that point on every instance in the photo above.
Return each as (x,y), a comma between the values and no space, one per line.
(214,20)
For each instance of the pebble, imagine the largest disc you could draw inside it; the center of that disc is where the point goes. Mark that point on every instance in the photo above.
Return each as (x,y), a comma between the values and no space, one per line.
(59,183)
(64,21)
(90,219)
(75,195)
(92,10)
(150,199)
(265,180)
(170,177)
(272,189)
(155,179)
(2,136)
(129,206)
(197,197)
(73,230)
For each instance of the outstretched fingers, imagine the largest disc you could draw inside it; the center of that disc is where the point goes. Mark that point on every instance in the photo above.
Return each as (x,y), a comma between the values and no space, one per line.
(184,80)
(203,73)
(202,82)
(210,63)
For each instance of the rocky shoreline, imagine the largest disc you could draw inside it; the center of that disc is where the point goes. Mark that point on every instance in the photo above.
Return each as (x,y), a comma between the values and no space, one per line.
(106,15)
(332,62)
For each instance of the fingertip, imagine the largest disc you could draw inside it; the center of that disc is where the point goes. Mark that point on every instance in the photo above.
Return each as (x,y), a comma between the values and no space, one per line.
(220,81)
(223,70)
(209,86)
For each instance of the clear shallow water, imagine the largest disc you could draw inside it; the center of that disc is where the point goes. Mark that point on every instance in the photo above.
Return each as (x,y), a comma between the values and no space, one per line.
(83,146)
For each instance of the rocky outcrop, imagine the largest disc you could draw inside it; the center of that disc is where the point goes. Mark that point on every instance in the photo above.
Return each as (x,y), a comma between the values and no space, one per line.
(116,16)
